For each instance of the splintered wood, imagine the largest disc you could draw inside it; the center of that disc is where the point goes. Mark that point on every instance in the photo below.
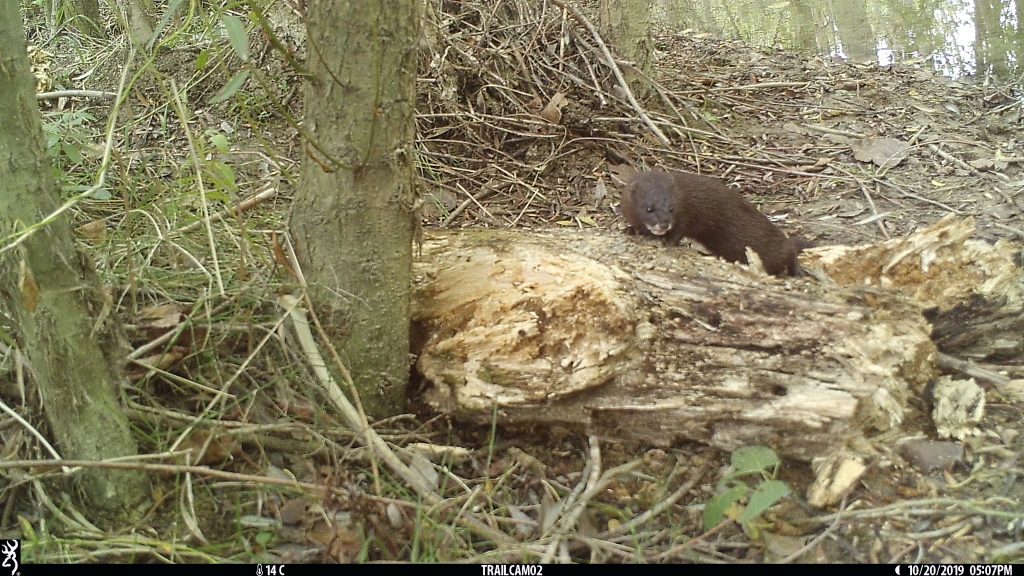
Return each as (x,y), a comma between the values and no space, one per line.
(628,339)
(972,291)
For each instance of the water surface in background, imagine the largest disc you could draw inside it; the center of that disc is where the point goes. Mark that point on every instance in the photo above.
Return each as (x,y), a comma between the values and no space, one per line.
(980,38)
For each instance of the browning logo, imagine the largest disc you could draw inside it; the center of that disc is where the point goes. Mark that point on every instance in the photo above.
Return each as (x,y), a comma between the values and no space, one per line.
(10,551)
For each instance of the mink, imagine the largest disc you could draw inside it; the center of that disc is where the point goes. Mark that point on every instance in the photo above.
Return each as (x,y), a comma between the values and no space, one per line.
(674,205)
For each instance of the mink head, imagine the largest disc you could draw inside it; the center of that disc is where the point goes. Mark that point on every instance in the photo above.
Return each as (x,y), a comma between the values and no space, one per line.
(655,203)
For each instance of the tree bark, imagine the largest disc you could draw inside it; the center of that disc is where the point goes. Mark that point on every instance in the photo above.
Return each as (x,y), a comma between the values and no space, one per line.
(855,32)
(84,16)
(67,328)
(804,25)
(628,339)
(626,24)
(138,17)
(353,215)
(971,292)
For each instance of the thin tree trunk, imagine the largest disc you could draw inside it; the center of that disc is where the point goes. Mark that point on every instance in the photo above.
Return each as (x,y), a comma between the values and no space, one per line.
(353,215)
(627,25)
(67,327)
(84,16)
(138,17)
(855,31)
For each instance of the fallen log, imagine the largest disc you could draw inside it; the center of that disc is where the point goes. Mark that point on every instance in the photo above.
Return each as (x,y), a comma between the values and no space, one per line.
(629,339)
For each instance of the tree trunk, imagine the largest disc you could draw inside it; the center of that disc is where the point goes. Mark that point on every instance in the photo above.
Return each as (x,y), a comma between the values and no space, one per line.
(626,24)
(855,31)
(353,215)
(990,52)
(67,327)
(804,26)
(84,16)
(628,339)
(138,18)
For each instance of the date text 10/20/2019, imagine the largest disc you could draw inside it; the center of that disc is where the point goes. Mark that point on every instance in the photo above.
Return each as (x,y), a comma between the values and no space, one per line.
(954,570)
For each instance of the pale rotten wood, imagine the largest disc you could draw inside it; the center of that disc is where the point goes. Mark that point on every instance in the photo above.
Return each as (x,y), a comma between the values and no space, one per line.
(971,291)
(629,339)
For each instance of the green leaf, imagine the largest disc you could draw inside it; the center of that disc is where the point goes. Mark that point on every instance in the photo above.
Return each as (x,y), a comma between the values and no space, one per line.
(764,496)
(215,195)
(237,36)
(101,194)
(52,140)
(220,142)
(27,531)
(716,508)
(72,152)
(231,87)
(202,60)
(752,459)
(222,175)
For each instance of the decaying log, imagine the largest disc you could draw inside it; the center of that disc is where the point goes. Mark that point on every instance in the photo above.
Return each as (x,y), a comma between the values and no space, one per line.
(626,338)
(972,291)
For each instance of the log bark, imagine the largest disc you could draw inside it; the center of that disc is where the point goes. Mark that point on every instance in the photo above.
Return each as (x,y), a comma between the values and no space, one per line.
(629,339)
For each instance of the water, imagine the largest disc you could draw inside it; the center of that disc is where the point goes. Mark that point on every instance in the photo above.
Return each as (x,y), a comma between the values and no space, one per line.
(979,38)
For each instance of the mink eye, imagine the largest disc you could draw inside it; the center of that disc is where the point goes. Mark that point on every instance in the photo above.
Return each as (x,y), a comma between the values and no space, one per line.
(650,209)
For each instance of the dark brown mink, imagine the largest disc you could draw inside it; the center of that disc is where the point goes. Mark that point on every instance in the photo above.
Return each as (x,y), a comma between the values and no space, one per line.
(677,204)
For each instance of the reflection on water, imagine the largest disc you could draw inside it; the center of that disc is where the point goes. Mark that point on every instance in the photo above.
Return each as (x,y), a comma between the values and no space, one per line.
(958,37)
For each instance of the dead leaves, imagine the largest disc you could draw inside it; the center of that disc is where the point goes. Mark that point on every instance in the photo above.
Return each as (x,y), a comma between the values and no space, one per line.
(883,152)
(552,112)
(167,336)
(28,287)
(95,231)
